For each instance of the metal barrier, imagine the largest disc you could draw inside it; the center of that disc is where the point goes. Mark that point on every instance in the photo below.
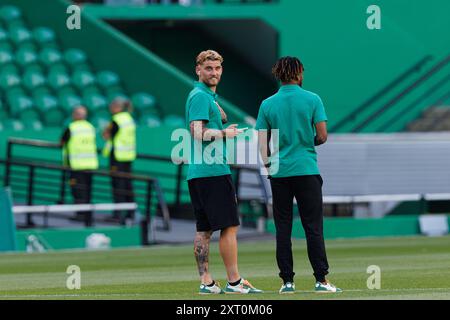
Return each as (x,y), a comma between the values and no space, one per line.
(178,177)
(150,185)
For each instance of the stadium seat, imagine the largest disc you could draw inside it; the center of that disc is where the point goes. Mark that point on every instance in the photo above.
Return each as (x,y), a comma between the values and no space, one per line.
(4,40)
(83,80)
(26,57)
(13,124)
(94,102)
(45,37)
(144,103)
(48,107)
(117,94)
(51,58)
(68,100)
(108,79)
(9,80)
(76,59)
(99,122)
(174,121)
(21,37)
(150,120)
(58,80)
(32,80)
(7,60)
(33,124)
(10,15)
(3,111)
(22,107)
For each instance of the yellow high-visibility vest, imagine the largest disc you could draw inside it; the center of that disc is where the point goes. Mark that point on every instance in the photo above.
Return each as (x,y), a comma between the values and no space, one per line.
(124,142)
(81,149)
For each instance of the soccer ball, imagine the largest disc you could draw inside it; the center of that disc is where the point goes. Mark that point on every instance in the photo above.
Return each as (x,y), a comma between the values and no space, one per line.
(98,241)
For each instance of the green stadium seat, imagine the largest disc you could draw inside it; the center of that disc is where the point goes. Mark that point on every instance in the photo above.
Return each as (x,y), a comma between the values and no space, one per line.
(10,14)
(7,60)
(68,100)
(48,107)
(108,79)
(21,37)
(26,58)
(44,37)
(52,58)
(116,94)
(144,103)
(4,40)
(83,80)
(99,122)
(58,68)
(58,80)
(5,45)
(9,80)
(150,120)
(22,107)
(32,80)
(13,124)
(95,102)
(3,111)
(174,121)
(33,124)
(76,59)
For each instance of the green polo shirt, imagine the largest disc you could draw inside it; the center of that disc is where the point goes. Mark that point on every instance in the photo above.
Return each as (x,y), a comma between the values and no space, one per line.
(293,111)
(201,104)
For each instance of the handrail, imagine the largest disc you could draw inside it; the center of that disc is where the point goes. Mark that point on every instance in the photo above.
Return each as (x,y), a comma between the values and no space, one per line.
(438,102)
(152,183)
(415,68)
(176,161)
(429,92)
(402,94)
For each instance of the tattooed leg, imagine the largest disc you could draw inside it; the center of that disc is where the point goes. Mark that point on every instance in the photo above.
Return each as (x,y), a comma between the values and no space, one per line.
(201,252)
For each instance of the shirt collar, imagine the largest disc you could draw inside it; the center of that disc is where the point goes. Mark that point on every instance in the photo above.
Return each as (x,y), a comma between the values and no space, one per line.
(205,88)
(289,87)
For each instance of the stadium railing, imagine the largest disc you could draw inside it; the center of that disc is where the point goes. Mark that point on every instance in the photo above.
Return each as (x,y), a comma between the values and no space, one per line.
(178,177)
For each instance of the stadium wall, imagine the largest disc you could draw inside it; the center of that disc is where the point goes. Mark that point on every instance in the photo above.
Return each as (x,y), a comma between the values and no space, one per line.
(335,228)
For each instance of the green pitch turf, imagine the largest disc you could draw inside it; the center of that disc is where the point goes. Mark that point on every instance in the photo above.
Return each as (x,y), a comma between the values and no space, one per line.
(411,268)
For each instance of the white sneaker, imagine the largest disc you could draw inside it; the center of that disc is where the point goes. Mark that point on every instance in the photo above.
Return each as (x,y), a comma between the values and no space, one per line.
(215,289)
(242,287)
(287,288)
(325,288)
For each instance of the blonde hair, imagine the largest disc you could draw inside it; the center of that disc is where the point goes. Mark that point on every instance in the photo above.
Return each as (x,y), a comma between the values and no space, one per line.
(208,55)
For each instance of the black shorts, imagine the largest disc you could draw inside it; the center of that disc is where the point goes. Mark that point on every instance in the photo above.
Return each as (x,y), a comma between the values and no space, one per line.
(215,202)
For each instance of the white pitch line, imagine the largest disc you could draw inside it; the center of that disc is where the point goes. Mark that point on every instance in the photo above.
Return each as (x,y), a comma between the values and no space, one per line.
(146,294)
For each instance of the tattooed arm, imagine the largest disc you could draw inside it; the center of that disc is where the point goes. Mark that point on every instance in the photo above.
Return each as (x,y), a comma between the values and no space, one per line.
(200,132)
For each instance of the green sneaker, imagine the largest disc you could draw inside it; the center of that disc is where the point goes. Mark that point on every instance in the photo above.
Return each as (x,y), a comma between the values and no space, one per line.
(288,287)
(215,289)
(326,288)
(242,287)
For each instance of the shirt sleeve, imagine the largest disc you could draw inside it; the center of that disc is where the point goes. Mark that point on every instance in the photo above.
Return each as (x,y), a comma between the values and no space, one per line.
(199,108)
(261,121)
(114,129)
(319,111)
(65,137)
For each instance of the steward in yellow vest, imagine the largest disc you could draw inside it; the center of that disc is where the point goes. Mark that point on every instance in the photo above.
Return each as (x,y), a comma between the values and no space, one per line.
(120,147)
(80,154)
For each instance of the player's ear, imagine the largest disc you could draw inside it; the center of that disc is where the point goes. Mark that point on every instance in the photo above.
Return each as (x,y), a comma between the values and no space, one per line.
(197,70)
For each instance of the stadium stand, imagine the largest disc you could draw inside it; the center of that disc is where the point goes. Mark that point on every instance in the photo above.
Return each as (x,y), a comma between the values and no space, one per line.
(41,80)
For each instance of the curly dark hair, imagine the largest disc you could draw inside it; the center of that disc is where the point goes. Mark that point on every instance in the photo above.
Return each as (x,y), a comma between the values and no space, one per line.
(287,69)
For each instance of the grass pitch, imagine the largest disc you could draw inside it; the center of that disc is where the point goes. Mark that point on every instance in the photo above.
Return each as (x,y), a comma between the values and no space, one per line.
(411,268)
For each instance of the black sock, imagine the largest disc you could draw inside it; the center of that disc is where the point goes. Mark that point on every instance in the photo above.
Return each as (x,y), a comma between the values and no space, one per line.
(211,284)
(234,283)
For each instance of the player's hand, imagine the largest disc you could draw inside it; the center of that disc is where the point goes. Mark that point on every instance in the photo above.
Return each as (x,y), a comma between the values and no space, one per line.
(231,131)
